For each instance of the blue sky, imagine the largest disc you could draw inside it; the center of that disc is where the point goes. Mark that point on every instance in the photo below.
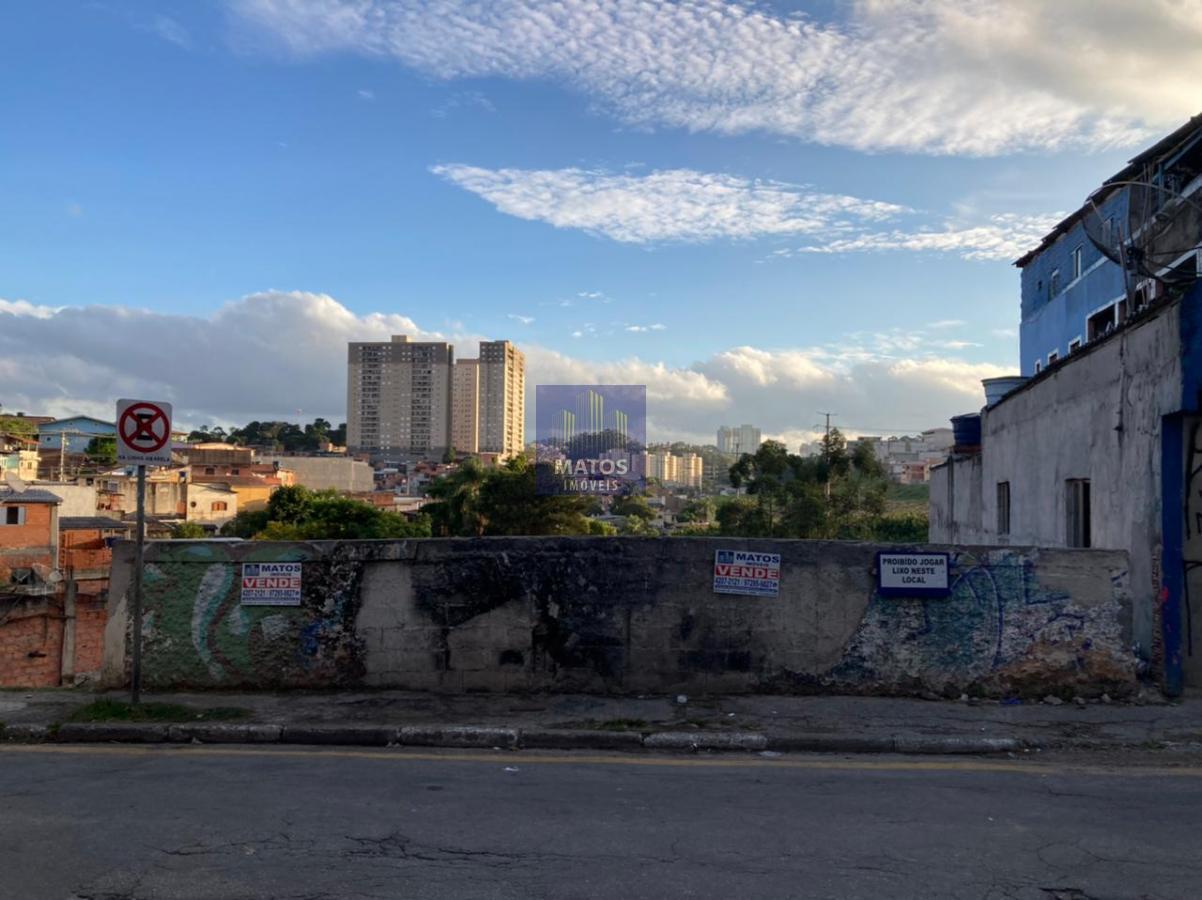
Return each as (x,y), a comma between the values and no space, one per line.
(486,170)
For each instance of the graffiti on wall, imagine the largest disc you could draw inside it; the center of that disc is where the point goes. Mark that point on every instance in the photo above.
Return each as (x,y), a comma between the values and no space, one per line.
(1000,626)
(624,614)
(198,632)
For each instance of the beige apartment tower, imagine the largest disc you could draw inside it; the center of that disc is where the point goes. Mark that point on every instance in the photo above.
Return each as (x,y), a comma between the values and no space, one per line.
(502,392)
(465,406)
(399,396)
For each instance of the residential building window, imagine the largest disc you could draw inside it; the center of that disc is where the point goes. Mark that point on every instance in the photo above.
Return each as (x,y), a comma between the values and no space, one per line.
(1074,345)
(1053,357)
(218,506)
(1078,260)
(14,515)
(1077,512)
(1054,284)
(1003,507)
(209,470)
(1038,366)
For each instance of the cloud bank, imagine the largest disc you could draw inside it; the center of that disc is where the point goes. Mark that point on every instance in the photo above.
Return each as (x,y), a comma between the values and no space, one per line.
(283,355)
(970,77)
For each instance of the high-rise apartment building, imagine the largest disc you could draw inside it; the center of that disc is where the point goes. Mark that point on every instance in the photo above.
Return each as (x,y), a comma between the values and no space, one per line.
(414,398)
(738,439)
(502,392)
(399,396)
(465,406)
(670,470)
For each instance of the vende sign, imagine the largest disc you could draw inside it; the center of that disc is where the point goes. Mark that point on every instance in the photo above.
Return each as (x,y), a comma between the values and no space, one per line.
(913,574)
(271,584)
(746,572)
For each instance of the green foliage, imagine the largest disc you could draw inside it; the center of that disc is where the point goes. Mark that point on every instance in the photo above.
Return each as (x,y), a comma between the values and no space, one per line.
(10,425)
(836,495)
(904,528)
(697,511)
(186,531)
(120,711)
(102,450)
(473,501)
(285,437)
(632,505)
(296,513)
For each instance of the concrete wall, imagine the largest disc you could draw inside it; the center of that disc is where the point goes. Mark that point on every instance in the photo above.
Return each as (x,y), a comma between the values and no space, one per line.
(78,499)
(622,615)
(321,473)
(1098,416)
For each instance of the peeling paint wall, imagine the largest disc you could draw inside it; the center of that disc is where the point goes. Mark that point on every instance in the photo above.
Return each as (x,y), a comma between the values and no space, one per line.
(624,615)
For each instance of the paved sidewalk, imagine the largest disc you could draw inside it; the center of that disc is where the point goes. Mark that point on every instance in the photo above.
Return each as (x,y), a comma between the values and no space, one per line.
(744,722)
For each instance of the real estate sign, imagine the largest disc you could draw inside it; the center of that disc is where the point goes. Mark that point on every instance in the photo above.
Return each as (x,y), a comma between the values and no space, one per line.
(912,574)
(271,584)
(747,572)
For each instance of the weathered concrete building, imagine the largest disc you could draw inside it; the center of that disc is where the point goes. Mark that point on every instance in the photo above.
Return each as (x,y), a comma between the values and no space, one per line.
(1101,447)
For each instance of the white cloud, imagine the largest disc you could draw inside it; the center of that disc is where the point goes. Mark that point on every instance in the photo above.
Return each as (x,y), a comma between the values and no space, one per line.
(947,323)
(1004,237)
(170,30)
(643,329)
(675,204)
(267,354)
(687,205)
(25,308)
(938,76)
(525,320)
(365,94)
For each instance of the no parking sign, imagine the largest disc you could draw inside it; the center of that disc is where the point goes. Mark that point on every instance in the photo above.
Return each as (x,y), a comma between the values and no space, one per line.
(143,432)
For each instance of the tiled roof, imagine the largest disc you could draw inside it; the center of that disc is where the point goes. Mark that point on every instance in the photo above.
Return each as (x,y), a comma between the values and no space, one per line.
(32,495)
(88,523)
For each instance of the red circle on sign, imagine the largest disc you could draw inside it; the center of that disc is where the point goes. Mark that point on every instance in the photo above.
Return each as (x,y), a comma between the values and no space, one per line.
(137,428)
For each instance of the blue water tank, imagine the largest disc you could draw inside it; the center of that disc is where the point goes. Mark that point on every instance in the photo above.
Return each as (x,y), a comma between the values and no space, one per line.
(966,430)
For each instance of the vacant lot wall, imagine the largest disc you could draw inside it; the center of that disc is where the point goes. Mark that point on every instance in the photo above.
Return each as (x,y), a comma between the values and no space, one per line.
(621,614)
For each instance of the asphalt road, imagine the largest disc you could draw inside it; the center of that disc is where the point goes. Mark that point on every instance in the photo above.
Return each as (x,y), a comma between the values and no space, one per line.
(204,822)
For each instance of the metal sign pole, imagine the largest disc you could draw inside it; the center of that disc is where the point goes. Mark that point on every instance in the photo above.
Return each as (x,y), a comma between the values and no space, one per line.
(136,675)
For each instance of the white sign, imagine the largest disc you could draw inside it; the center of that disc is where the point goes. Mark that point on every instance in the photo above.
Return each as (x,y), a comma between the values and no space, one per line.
(271,584)
(143,433)
(914,574)
(747,572)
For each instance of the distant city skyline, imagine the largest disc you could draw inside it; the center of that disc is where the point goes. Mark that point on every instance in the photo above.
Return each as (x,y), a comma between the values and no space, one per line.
(209,201)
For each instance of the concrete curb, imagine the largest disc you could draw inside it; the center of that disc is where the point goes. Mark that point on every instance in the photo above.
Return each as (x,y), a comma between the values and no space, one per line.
(494,737)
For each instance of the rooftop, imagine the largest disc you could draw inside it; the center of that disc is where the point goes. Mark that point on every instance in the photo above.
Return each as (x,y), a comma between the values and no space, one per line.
(91,523)
(1160,148)
(31,495)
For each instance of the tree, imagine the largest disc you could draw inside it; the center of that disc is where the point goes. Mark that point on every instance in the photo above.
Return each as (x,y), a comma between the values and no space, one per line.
(102,450)
(697,511)
(296,513)
(474,501)
(187,531)
(632,505)
(835,495)
(457,511)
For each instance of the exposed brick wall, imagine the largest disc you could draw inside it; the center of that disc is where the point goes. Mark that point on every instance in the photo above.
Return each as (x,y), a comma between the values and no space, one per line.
(31,646)
(23,546)
(31,639)
(90,619)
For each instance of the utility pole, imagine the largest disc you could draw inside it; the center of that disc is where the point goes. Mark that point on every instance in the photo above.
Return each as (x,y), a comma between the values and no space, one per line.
(62,455)
(826,450)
